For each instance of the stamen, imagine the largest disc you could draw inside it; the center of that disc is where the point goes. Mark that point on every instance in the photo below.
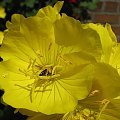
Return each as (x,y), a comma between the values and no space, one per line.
(105,103)
(66,61)
(43,76)
(49,77)
(24,87)
(49,46)
(42,90)
(48,66)
(32,90)
(29,64)
(24,72)
(94,92)
(33,64)
(54,68)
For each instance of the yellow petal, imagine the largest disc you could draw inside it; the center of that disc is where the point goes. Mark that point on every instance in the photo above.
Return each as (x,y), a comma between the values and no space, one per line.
(40,116)
(2,12)
(106,81)
(23,35)
(111,33)
(51,12)
(61,96)
(1,37)
(70,32)
(58,5)
(77,76)
(15,22)
(115,58)
(79,81)
(27,112)
(106,39)
(58,100)
(9,72)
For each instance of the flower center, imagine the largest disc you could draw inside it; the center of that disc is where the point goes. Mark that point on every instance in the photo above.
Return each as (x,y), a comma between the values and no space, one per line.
(43,75)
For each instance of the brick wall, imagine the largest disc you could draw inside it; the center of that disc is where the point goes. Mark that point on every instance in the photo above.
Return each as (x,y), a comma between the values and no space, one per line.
(108,11)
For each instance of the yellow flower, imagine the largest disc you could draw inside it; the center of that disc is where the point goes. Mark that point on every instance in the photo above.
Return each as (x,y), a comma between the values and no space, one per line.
(2,12)
(95,110)
(1,37)
(46,67)
(106,75)
(106,83)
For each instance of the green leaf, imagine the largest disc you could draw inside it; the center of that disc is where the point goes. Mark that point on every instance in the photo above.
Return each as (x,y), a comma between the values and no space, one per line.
(1,113)
(30,3)
(84,4)
(91,6)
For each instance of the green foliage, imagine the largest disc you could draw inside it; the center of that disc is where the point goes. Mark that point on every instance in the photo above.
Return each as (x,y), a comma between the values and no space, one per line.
(28,3)
(89,5)
(30,7)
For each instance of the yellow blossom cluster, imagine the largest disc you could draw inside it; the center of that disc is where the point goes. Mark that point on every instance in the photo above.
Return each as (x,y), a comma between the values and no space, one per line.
(2,15)
(56,68)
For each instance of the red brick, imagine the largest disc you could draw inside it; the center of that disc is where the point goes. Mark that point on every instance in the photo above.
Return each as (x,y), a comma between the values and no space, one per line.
(119,7)
(111,6)
(99,6)
(118,37)
(102,18)
(116,30)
